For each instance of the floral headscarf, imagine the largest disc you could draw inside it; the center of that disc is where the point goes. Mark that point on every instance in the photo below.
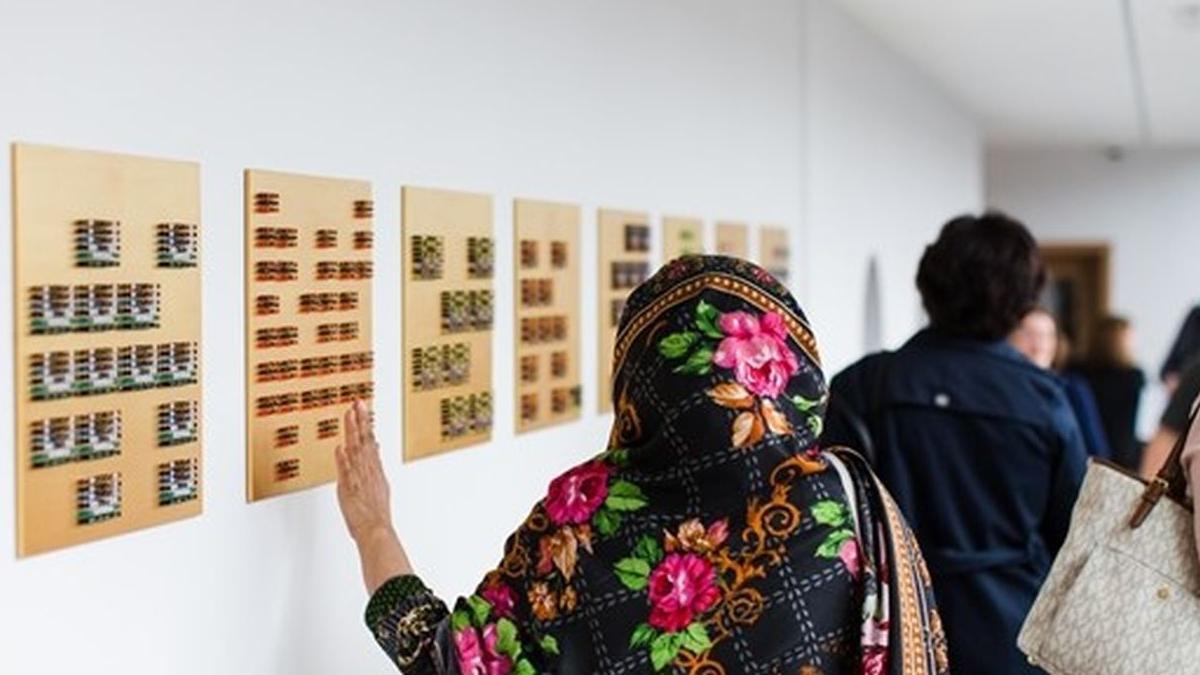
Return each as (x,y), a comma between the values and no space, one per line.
(711,536)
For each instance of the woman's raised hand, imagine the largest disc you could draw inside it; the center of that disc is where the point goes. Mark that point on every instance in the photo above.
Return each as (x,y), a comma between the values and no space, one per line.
(363,491)
(365,499)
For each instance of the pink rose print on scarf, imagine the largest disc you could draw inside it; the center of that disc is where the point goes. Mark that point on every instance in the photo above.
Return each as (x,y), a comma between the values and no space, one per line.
(481,656)
(584,505)
(470,651)
(494,662)
(486,643)
(575,496)
(874,661)
(849,554)
(502,598)
(681,587)
(756,351)
(875,631)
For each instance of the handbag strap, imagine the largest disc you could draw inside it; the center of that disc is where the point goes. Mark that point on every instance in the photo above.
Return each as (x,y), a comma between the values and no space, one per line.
(1170,481)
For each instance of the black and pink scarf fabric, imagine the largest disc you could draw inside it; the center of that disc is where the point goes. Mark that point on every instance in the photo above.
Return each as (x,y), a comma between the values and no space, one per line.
(711,536)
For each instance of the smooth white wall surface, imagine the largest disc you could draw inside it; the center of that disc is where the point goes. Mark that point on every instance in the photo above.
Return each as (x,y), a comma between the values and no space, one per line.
(676,106)
(1146,206)
(890,159)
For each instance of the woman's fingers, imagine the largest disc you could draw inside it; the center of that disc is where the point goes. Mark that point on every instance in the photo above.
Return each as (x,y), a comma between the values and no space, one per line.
(360,453)
(362,416)
(343,465)
(366,428)
(371,427)
(350,431)
(349,472)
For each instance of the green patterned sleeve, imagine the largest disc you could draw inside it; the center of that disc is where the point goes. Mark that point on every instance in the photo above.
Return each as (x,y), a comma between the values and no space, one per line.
(404,616)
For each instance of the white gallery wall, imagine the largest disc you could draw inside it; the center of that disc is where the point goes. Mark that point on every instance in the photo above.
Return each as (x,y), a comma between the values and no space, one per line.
(1146,204)
(890,158)
(717,108)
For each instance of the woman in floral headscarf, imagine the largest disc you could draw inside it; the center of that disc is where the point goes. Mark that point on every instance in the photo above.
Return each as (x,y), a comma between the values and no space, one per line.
(710,537)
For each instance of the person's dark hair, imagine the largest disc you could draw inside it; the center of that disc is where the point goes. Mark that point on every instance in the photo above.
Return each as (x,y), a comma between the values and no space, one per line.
(1110,343)
(981,276)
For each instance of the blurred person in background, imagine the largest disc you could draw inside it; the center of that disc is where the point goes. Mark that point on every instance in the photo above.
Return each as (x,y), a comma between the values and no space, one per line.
(1185,349)
(1174,420)
(978,445)
(1038,337)
(1117,385)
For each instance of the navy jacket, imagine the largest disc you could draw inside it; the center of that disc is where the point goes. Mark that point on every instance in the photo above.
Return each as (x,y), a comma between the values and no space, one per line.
(1087,414)
(982,452)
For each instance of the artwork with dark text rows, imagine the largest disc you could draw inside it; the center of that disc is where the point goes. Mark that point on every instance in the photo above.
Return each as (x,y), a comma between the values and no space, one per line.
(309,354)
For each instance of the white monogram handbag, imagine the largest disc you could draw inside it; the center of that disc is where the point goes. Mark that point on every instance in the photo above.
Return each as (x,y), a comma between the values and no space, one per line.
(1122,596)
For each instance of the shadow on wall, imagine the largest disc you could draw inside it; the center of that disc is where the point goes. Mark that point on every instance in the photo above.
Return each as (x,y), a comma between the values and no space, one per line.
(873,310)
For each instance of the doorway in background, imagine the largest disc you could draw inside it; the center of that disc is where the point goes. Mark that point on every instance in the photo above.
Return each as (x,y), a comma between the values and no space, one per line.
(1077,289)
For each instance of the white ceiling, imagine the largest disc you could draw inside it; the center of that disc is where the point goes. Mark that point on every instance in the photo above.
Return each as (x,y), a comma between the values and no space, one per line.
(1112,72)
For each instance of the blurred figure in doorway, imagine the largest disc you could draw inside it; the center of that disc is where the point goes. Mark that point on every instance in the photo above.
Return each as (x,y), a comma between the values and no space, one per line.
(1117,385)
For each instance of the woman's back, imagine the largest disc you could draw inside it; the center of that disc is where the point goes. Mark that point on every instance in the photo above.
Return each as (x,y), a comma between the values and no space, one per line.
(712,536)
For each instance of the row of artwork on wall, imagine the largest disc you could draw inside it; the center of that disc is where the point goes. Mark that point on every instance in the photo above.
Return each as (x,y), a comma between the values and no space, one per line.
(107,298)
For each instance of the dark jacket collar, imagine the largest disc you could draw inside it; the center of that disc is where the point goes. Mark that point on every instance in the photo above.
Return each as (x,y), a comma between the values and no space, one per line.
(931,338)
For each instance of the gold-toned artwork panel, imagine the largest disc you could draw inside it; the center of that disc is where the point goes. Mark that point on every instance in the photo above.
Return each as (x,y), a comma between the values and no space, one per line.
(107,319)
(733,239)
(309,354)
(624,263)
(774,252)
(546,314)
(449,315)
(682,236)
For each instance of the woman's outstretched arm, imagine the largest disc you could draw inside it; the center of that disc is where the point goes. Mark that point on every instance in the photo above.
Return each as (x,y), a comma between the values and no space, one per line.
(365,499)
(403,614)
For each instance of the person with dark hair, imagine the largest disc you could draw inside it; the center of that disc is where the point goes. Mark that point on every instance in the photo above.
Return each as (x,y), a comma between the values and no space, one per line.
(1117,384)
(978,445)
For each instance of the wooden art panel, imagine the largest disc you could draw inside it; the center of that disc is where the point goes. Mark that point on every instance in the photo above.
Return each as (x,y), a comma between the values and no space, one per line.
(309,269)
(624,247)
(682,236)
(774,252)
(546,310)
(107,318)
(733,239)
(449,311)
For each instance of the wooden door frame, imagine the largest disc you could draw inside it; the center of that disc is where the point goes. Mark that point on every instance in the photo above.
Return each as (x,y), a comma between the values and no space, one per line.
(1084,254)
(1085,250)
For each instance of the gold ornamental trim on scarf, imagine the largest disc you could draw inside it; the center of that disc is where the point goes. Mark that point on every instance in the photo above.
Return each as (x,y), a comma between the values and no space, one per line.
(909,576)
(689,289)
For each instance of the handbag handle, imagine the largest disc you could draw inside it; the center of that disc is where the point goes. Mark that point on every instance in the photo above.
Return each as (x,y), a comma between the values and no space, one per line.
(1170,480)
